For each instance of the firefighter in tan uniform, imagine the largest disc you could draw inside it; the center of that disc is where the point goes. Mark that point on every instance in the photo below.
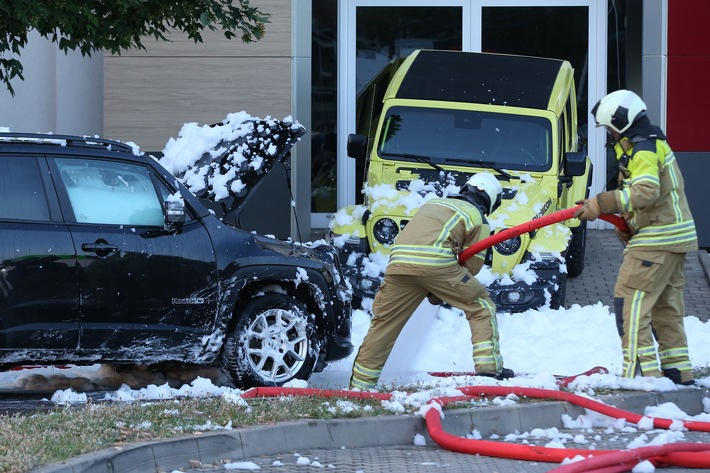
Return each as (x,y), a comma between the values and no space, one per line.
(648,296)
(423,263)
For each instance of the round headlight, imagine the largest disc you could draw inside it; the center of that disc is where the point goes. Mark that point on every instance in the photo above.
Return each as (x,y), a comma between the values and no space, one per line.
(385,231)
(508,247)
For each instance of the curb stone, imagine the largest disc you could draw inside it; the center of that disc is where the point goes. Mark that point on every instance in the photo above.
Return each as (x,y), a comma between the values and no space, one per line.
(167,455)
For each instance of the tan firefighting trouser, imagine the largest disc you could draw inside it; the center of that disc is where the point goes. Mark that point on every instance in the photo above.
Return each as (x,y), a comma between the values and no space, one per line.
(649,302)
(398,298)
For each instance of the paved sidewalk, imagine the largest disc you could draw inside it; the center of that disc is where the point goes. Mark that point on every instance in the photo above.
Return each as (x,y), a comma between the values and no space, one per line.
(601,265)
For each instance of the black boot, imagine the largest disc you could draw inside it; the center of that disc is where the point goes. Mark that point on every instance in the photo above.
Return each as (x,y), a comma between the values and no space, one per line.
(674,375)
(505,373)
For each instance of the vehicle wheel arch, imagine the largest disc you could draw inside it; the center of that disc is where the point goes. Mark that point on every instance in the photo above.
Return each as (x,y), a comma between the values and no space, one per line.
(308,292)
(248,282)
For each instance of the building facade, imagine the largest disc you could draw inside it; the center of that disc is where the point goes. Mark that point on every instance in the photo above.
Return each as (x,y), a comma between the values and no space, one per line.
(320,59)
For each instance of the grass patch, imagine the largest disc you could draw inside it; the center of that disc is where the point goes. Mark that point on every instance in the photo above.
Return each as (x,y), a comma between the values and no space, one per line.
(29,441)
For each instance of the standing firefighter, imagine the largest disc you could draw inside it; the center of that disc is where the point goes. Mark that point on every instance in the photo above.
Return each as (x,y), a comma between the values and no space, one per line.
(648,297)
(423,263)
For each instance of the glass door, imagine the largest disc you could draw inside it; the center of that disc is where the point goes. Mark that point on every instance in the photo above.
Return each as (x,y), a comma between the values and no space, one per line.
(385,36)
(372,35)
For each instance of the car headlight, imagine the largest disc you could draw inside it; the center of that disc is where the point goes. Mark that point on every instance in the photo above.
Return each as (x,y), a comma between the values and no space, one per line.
(509,246)
(385,231)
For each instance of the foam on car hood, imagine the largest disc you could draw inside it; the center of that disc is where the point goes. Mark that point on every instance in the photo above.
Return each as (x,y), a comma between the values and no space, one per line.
(223,163)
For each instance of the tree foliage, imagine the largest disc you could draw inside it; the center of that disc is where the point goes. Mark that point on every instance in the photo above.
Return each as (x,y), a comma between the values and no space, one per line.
(117,25)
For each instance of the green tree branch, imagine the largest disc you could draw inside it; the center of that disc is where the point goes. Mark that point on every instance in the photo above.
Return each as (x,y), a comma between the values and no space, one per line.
(117,25)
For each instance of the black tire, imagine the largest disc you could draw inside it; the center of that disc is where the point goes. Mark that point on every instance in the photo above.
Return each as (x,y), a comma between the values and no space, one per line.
(274,341)
(575,253)
(557,300)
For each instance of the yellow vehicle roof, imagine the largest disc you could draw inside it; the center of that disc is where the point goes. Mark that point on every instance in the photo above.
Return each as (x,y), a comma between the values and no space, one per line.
(485,78)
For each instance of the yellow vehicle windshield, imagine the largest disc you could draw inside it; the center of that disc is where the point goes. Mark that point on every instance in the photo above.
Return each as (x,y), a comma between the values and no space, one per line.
(467,137)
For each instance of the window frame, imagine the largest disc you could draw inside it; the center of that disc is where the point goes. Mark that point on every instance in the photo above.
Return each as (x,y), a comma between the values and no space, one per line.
(159,187)
(51,209)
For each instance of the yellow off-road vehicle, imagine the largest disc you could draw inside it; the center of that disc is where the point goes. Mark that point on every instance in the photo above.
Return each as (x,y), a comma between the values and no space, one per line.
(447,115)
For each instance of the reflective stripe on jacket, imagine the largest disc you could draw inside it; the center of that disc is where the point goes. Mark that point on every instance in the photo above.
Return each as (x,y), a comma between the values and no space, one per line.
(652,199)
(439,229)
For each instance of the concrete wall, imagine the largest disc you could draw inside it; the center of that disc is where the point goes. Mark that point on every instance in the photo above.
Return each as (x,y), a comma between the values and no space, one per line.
(150,94)
(61,93)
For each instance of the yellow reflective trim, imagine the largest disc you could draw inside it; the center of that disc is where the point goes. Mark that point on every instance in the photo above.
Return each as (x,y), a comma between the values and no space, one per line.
(360,384)
(681,365)
(419,249)
(665,234)
(477,347)
(462,210)
(358,368)
(631,354)
(625,200)
(647,178)
(672,352)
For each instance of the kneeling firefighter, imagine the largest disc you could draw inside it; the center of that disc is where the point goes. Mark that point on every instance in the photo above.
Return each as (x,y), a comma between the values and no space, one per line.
(423,263)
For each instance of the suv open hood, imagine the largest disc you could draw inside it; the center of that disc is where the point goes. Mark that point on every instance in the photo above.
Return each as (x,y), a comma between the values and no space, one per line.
(223,163)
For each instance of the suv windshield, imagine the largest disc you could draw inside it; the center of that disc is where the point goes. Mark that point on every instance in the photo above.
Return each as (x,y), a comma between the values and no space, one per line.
(445,136)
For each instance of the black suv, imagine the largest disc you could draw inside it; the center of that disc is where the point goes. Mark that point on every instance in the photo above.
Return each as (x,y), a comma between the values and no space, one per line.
(105,257)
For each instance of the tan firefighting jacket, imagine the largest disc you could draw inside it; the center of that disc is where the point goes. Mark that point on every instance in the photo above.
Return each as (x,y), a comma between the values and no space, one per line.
(439,230)
(652,199)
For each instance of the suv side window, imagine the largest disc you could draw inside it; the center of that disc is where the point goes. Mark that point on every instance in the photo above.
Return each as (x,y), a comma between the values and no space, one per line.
(105,192)
(21,190)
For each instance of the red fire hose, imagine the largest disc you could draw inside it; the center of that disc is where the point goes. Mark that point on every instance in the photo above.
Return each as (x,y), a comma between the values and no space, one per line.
(527,227)
(682,453)
(691,455)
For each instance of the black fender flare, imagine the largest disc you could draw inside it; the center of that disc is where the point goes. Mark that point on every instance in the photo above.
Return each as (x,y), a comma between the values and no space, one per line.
(264,275)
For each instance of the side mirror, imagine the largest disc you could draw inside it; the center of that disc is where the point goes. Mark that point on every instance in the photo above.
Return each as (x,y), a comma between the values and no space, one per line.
(357,147)
(575,163)
(174,213)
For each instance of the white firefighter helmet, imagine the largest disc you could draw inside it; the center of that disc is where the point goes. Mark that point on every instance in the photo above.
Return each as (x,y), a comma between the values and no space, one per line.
(619,110)
(486,184)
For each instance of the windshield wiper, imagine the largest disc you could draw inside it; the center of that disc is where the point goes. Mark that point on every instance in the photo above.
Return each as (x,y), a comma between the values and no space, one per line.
(485,164)
(416,157)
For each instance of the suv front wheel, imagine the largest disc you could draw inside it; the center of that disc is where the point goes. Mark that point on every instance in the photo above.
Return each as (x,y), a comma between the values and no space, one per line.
(274,341)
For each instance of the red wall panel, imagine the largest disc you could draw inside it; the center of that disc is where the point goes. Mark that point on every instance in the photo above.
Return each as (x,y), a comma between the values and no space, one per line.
(688,23)
(688,87)
(688,108)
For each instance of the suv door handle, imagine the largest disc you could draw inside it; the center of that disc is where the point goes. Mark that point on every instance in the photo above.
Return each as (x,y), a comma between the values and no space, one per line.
(101,248)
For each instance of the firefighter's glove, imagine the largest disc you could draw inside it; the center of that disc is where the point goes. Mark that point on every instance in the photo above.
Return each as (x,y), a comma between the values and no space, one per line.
(589,211)
(623,236)
(433,300)
(604,203)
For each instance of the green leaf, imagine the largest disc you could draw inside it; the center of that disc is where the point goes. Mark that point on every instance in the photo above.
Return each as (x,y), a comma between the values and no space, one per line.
(118,25)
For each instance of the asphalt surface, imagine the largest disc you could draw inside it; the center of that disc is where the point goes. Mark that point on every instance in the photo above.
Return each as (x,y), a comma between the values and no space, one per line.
(386,444)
